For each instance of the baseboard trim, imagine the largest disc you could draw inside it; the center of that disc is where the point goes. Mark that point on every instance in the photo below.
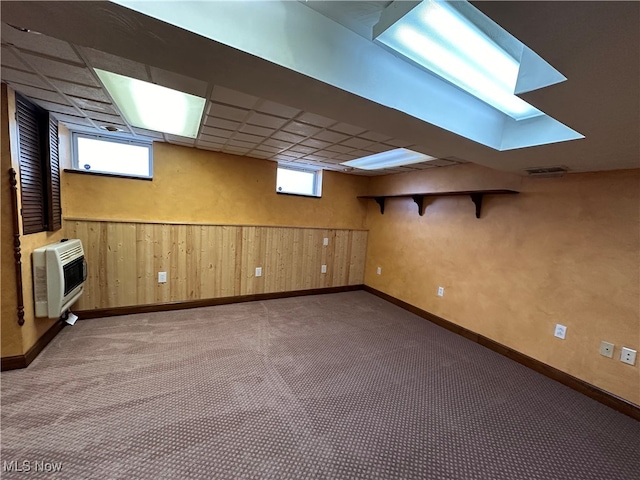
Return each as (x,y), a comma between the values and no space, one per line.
(208,302)
(22,361)
(610,400)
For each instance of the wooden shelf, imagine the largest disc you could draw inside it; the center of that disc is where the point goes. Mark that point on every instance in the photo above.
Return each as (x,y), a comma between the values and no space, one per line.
(476,198)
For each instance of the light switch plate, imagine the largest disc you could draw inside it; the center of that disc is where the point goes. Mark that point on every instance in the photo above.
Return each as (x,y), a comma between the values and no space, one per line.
(324,269)
(258,271)
(606,349)
(325,241)
(162,277)
(560,331)
(379,271)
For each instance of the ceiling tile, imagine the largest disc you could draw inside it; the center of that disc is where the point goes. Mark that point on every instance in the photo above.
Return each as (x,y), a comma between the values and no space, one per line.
(217,132)
(288,137)
(303,149)
(39,94)
(313,157)
(221,123)
(286,158)
(215,147)
(456,159)
(147,133)
(273,108)
(81,91)
(267,148)
(357,142)
(345,158)
(360,153)
(378,148)
(57,108)
(348,129)
(332,137)
(339,149)
(86,104)
(235,150)
(238,143)
(72,119)
(248,138)
(295,154)
(317,120)
(11,75)
(258,154)
(376,137)
(301,129)
(263,120)
(423,166)
(39,43)
(252,129)
(119,65)
(103,117)
(61,70)
(177,81)
(441,162)
(9,60)
(185,141)
(233,97)
(228,113)
(326,154)
(310,142)
(272,142)
(212,138)
(398,143)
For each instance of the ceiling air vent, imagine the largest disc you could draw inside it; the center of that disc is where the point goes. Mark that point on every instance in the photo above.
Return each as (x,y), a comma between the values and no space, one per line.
(546,171)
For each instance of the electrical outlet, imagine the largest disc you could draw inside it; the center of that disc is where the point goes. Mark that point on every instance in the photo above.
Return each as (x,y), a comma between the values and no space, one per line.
(606,349)
(325,241)
(560,331)
(162,277)
(441,291)
(379,271)
(258,271)
(628,356)
(323,269)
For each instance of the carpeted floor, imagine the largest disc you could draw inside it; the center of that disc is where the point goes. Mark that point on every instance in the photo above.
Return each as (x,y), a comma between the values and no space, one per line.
(335,386)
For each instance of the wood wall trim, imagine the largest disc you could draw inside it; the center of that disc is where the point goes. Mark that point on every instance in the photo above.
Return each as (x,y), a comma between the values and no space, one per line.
(13,187)
(610,400)
(22,361)
(208,302)
(205,224)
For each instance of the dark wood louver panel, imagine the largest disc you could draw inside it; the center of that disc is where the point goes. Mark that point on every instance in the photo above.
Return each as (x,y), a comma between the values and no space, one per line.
(55,210)
(30,154)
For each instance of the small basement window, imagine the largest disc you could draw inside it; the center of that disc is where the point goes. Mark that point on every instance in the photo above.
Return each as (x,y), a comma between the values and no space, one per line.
(299,181)
(112,156)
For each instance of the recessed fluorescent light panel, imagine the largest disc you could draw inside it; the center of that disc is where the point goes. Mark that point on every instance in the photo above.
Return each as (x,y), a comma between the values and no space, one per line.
(389,159)
(457,42)
(150,106)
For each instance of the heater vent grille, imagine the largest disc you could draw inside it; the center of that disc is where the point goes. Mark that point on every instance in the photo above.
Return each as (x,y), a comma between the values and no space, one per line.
(547,171)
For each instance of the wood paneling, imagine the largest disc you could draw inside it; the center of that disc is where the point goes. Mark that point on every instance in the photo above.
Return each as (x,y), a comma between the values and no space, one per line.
(210,261)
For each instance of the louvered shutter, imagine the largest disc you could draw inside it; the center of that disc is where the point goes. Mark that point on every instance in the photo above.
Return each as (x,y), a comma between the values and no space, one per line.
(55,210)
(30,154)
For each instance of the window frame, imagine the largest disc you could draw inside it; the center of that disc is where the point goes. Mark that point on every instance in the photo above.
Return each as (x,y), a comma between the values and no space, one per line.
(75,165)
(317,181)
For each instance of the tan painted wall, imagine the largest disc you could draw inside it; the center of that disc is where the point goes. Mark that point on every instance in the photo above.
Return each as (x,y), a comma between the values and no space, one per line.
(33,328)
(209,261)
(11,335)
(192,185)
(566,250)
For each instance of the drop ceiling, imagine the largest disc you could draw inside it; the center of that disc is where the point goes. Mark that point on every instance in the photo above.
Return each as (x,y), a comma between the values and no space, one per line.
(262,110)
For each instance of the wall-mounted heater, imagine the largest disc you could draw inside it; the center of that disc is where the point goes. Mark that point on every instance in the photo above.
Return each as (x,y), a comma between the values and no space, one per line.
(59,273)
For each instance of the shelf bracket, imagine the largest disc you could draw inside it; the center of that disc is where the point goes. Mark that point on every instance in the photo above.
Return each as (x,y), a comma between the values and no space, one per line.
(380,201)
(419,199)
(477,199)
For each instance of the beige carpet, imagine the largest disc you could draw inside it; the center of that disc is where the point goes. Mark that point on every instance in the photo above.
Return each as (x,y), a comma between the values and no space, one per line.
(335,386)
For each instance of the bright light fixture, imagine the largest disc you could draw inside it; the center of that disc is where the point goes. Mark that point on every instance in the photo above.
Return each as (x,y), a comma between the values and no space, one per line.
(154,107)
(460,44)
(388,159)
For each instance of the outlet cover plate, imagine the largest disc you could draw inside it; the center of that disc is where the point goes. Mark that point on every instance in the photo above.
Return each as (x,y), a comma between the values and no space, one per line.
(162,277)
(325,241)
(560,331)
(628,355)
(441,291)
(379,271)
(258,271)
(606,349)
(323,269)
